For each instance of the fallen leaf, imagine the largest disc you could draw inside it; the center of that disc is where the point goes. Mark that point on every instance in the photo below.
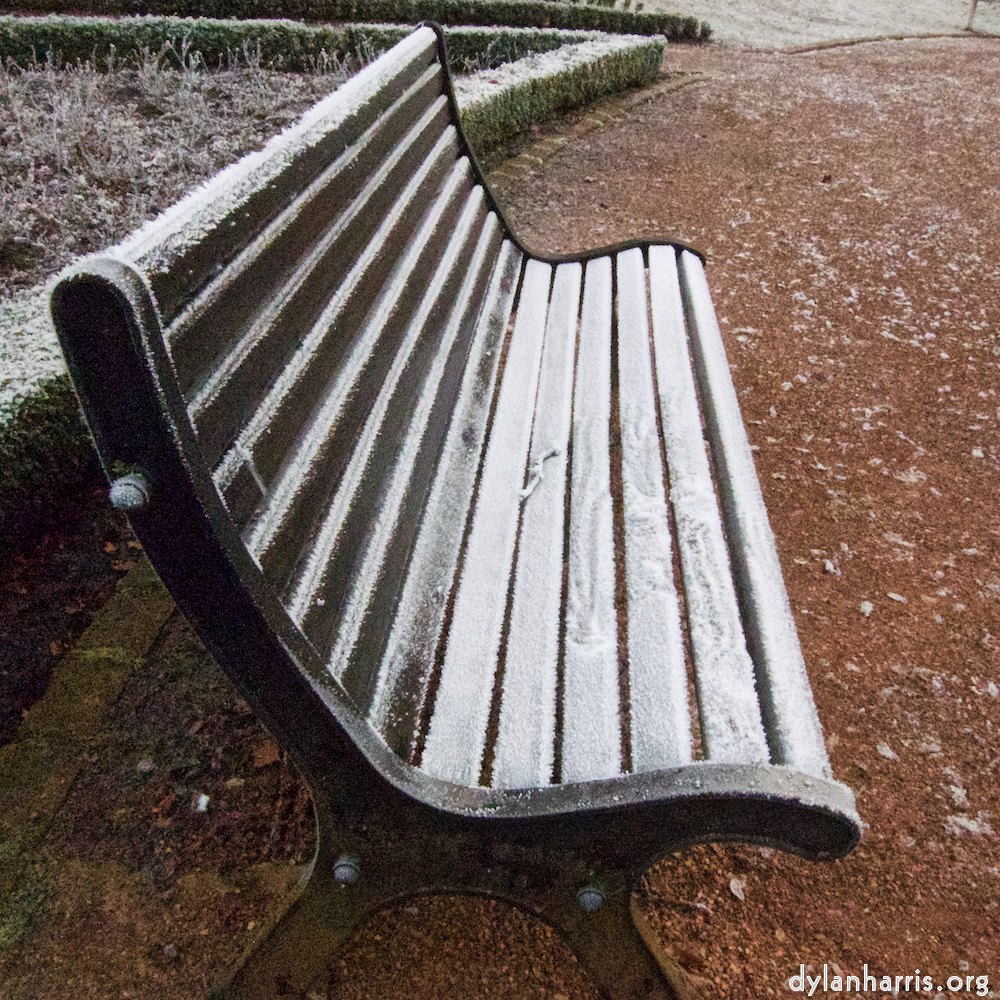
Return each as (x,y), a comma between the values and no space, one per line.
(266,753)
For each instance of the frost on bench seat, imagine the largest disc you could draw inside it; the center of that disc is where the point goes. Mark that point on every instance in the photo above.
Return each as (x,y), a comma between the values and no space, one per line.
(541,679)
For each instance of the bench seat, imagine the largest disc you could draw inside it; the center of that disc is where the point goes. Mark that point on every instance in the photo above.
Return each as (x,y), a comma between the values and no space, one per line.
(475,531)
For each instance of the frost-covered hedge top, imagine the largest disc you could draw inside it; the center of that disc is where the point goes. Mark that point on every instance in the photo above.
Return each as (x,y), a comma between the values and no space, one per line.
(485,84)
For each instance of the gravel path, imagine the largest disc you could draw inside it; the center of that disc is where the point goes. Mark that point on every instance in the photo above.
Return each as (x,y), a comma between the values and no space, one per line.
(782,24)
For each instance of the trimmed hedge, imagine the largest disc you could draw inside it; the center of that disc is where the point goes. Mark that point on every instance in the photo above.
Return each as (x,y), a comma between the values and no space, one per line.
(284,44)
(511,13)
(44,442)
(71,39)
(488,46)
(492,122)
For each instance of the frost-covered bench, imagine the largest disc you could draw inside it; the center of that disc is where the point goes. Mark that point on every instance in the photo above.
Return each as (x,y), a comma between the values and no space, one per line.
(475,532)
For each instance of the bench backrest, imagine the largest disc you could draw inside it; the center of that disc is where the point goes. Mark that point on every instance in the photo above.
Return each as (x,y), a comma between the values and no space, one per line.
(307,353)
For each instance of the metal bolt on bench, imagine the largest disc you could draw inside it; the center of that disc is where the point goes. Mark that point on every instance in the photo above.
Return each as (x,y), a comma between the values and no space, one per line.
(476,532)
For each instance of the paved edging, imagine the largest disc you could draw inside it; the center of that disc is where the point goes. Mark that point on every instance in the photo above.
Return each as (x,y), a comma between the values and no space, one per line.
(38,769)
(535,156)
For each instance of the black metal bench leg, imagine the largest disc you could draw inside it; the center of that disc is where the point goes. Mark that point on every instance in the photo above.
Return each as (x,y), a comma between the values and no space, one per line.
(614,947)
(618,959)
(297,951)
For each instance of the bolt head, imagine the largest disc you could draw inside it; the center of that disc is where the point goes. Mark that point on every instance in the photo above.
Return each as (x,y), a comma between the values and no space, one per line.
(131,492)
(590,898)
(347,868)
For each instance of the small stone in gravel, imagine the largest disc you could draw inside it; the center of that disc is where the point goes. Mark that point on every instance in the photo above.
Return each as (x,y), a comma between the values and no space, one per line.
(867,608)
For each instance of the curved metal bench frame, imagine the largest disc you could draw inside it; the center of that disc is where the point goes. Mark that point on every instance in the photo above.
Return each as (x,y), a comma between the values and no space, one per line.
(387,828)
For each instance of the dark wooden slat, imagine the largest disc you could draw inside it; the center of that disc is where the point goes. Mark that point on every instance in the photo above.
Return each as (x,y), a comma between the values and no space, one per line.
(253,281)
(525,742)
(182,259)
(230,399)
(660,725)
(375,605)
(335,348)
(794,733)
(457,735)
(365,511)
(380,307)
(407,668)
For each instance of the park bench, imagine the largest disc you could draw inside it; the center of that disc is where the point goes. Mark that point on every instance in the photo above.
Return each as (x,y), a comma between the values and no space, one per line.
(476,532)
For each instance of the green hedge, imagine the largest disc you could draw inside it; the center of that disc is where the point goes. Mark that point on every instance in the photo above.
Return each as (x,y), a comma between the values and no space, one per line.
(43,442)
(289,44)
(511,13)
(493,122)
(489,46)
(73,39)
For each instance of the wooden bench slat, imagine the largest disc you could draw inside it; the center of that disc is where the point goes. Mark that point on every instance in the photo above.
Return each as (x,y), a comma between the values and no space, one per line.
(326,492)
(660,721)
(591,723)
(319,345)
(789,710)
(404,674)
(372,292)
(457,735)
(525,743)
(456,312)
(375,484)
(724,677)
(356,495)
(261,373)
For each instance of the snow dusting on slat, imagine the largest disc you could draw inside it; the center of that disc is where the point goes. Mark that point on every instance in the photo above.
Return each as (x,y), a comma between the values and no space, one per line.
(370,570)
(457,735)
(183,225)
(525,744)
(591,744)
(419,620)
(661,728)
(796,733)
(727,699)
